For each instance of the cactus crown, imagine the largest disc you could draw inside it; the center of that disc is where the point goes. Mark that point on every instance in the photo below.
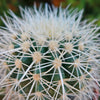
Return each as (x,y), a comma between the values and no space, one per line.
(49,55)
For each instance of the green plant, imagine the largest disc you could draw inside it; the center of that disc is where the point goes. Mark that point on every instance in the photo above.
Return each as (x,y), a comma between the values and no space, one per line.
(49,55)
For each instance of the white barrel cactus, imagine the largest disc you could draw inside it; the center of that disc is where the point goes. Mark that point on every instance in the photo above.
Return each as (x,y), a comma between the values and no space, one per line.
(49,55)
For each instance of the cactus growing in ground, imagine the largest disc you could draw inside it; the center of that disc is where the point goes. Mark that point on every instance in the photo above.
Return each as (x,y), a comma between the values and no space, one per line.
(49,54)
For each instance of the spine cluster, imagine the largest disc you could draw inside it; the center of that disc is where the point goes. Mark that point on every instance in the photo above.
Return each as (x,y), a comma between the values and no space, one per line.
(49,55)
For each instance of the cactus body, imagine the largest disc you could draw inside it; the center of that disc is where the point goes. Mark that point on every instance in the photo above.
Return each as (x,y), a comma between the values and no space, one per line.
(49,55)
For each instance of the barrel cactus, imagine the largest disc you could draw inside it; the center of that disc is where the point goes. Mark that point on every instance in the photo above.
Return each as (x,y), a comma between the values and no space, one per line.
(49,54)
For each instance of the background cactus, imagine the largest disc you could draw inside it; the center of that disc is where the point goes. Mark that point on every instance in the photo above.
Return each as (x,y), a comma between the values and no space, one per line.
(49,54)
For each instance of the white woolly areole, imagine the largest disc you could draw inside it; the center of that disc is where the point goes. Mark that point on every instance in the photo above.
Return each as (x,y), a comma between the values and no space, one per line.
(25,46)
(38,94)
(37,57)
(57,63)
(18,63)
(53,45)
(77,63)
(36,77)
(69,47)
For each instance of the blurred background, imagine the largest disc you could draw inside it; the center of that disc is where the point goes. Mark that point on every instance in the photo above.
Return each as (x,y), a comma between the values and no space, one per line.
(91,7)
